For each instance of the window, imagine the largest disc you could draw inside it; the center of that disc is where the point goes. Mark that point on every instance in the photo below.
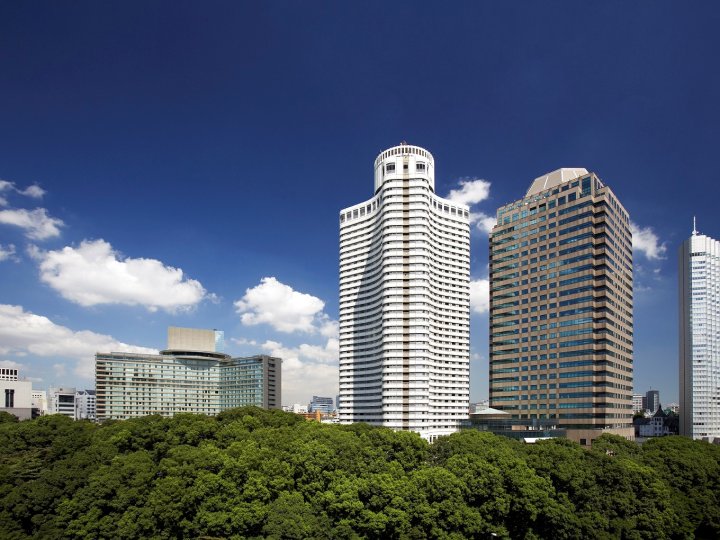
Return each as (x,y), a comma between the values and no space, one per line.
(420,166)
(390,167)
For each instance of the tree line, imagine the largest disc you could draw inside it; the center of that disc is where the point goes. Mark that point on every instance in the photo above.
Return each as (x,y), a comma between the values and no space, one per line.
(252,473)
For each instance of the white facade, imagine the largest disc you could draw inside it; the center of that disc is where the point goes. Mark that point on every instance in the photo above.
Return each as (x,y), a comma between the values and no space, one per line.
(295,408)
(15,398)
(637,403)
(8,374)
(85,405)
(405,301)
(699,281)
(40,401)
(62,401)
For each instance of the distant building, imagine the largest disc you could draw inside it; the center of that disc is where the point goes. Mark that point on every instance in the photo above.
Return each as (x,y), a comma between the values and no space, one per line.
(15,395)
(699,324)
(479,406)
(638,403)
(39,402)
(61,400)
(673,407)
(322,404)
(8,374)
(192,375)
(296,408)
(659,424)
(85,405)
(652,400)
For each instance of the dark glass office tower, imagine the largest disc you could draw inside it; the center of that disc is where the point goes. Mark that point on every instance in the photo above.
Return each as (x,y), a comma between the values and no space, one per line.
(561,307)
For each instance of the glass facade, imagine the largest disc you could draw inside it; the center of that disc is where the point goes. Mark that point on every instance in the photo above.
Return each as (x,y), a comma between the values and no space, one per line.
(131,385)
(561,305)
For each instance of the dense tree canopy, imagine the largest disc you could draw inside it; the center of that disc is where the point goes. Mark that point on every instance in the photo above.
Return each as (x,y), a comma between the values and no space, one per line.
(250,473)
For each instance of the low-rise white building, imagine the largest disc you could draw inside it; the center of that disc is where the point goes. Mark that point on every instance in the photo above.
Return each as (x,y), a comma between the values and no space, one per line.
(61,400)
(40,402)
(15,398)
(296,408)
(85,405)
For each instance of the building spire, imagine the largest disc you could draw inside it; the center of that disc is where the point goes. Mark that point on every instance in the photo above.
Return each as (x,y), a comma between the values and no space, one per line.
(694,227)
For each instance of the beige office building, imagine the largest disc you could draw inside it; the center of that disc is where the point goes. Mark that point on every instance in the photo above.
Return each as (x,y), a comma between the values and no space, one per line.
(561,307)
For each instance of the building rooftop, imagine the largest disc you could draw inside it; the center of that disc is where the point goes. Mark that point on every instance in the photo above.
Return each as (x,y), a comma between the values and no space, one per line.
(555,178)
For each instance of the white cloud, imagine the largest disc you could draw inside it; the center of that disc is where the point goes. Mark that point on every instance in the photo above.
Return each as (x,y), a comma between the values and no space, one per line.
(307,370)
(23,333)
(648,243)
(7,252)
(38,225)
(284,309)
(244,341)
(328,327)
(482,221)
(34,191)
(479,295)
(11,364)
(94,273)
(3,201)
(60,369)
(472,191)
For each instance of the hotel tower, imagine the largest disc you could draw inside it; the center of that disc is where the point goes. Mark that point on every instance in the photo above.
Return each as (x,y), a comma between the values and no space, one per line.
(561,307)
(405,301)
(699,277)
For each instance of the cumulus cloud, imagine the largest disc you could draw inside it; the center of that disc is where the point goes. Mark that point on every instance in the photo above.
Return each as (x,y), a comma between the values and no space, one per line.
(479,295)
(37,224)
(33,190)
(482,221)
(307,370)
(284,309)
(244,341)
(648,243)
(94,273)
(471,191)
(7,252)
(23,333)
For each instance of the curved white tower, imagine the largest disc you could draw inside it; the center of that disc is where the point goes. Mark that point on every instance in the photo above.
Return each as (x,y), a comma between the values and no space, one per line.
(405,301)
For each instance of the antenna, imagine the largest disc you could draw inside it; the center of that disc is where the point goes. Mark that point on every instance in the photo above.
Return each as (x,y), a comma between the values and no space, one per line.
(694,227)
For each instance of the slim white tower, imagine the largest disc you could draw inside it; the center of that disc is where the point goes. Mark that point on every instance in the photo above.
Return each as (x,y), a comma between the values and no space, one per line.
(405,301)
(699,281)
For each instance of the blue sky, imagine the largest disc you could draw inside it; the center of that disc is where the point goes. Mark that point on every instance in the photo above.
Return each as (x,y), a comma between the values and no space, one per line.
(190,159)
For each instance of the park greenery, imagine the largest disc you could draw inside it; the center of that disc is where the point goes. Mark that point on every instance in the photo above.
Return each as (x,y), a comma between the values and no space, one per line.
(251,473)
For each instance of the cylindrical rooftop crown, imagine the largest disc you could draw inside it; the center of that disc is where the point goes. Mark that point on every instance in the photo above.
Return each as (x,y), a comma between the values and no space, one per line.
(404,161)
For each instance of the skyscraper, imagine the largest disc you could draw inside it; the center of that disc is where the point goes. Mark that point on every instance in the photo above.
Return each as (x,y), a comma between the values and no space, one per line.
(405,301)
(652,400)
(699,280)
(561,307)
